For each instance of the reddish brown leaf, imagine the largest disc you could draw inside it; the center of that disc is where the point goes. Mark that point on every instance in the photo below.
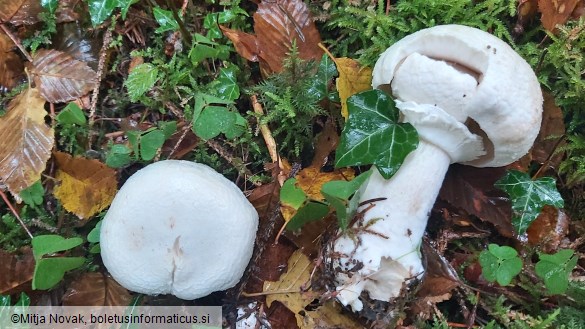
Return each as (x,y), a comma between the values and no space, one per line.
(96,289)
(325,144)
(549,228)
(551,132)
(76,42)
(26,141)
(472,189)
(20,12)
(555,12)
(11,66)
(278,24)
(60,77)
(16,271)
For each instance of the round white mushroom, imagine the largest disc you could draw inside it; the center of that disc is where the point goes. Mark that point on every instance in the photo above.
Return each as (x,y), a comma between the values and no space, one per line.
(473,100)
(178,227)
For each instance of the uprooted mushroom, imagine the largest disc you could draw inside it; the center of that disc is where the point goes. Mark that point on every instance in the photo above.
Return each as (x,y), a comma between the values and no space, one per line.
(473,100)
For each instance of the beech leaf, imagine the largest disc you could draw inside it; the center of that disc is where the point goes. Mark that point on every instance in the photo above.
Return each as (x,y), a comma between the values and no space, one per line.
(26,141)
(60,77)
(353,78)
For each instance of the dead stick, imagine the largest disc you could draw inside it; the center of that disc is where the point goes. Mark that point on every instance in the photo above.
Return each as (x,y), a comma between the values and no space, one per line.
(15,213)
(266,133)
(16,42)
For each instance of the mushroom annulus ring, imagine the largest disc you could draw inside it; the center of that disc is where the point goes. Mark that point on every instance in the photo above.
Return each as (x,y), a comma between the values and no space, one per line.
(178,227)
(473,100)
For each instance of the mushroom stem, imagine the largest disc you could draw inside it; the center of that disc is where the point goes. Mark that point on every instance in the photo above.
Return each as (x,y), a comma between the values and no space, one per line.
(387,242)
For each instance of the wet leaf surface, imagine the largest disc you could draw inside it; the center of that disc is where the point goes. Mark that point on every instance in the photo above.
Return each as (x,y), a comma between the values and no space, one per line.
(96,289)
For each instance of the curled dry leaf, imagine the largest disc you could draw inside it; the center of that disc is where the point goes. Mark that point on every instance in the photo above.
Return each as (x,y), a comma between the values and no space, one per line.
(60,77)
(20,12)
(353,78)
(96,289)
(86,186)
(292,290)
(17,270)
(11,66)
(278,24)
(551,132)
(555,12)
(26,141)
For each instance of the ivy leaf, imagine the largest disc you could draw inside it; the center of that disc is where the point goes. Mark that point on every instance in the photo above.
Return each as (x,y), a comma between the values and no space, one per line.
(140,80)
(124,5)
(500,263)
(165,19)
(337,193)
(226,84)
(298,209)
(100,10)
(325,73)
(528,197)
(373,136)
(555,270)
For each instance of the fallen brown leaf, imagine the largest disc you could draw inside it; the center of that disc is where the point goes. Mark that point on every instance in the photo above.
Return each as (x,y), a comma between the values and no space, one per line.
(549,228)
(11,66)
(472,189)
(16,271)
(555,12)
(20,12)
(60,77)
(278,24)
(551,132)
(26,141)
(86,186)
(292,290)
(96,289)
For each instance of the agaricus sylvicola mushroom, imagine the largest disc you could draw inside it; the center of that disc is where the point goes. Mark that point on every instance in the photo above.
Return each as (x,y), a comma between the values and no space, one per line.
(178,227)
(473,100)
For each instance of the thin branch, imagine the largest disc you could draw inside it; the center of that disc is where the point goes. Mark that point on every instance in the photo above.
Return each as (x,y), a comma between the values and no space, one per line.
(15,213)
(16,42)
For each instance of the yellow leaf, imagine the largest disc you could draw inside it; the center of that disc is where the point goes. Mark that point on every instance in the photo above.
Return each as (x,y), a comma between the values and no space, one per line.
(26,141)
(353,78)
(311,180)
(86,186)
(291,290)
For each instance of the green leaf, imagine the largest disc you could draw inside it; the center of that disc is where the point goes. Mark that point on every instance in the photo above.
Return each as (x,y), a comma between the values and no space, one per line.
(226,84)
(150,143)
(168,128)
(165,19)
(124,5)
(500,263)
(49,271)
(338,193)
(310,211)
(291,195)
(213,121)
(237,129)
(50,244)
(372,136)
(94,234)
(4,302)
(555,270)
(71,115)
(528,197)
(23,301)
(118,156)
(320,84)
(100,10)
(211,22)
(50,5)
(141,80)
(33,195)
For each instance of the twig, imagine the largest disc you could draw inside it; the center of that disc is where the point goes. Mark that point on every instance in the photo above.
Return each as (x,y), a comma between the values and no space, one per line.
(16,42)
(265,130)
(15,213)
(100,70)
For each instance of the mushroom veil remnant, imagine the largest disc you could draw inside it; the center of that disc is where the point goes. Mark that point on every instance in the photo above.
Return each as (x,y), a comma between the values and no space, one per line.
(473,100)
(178,227)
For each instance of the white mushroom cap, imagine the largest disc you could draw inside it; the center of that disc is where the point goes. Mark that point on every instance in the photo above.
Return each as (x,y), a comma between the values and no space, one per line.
(470,74)
(178,227)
